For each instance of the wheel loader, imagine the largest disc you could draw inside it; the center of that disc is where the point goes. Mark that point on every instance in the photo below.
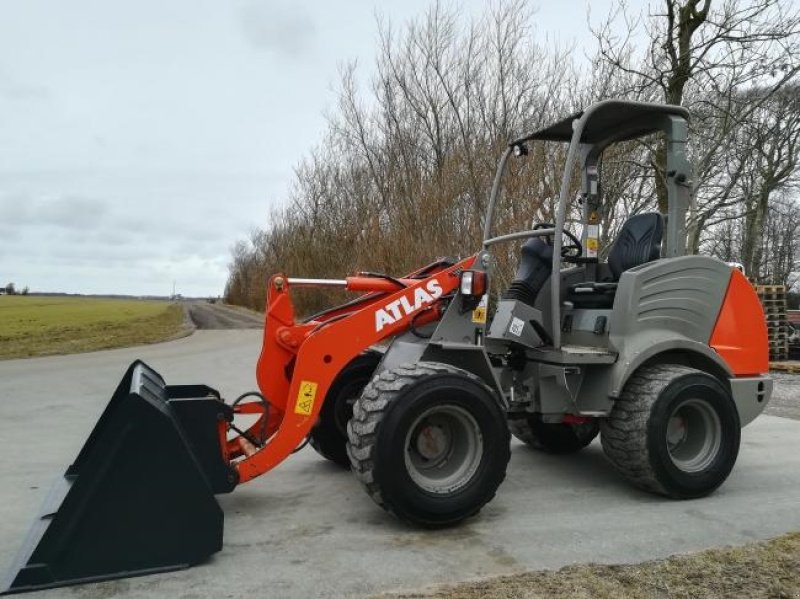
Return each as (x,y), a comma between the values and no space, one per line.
(417,389)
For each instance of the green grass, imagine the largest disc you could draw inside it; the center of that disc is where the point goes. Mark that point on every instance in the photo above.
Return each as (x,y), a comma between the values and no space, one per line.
(40,326)
(768,569)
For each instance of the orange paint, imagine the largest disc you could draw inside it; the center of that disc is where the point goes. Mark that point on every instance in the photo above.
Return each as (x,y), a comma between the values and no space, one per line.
(299,361)
(740,334)
(375,284)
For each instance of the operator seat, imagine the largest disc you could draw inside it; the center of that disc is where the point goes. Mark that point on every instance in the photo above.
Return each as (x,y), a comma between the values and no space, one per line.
(639,242)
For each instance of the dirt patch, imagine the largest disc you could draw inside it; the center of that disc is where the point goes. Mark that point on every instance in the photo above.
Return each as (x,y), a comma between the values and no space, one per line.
(768,569)
(220,316)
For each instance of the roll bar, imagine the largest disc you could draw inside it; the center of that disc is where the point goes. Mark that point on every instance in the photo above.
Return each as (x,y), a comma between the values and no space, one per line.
(592,130)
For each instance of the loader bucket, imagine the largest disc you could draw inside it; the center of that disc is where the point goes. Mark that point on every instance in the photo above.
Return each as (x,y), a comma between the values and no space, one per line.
(139,498)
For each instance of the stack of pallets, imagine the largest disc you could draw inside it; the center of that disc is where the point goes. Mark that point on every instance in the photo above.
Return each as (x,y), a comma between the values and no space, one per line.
(773,299)
(791,367)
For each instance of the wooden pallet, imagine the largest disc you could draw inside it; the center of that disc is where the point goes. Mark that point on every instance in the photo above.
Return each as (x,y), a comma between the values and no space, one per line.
(774,308)
(770,289)
(790,366)
(773,301)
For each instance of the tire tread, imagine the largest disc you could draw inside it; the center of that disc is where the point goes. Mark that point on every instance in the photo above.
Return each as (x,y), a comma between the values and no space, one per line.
(624,431)
(372,407)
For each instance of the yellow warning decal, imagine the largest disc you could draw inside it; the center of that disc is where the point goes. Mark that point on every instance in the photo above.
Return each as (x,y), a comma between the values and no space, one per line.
(479,313)
(591,244)
(305,398)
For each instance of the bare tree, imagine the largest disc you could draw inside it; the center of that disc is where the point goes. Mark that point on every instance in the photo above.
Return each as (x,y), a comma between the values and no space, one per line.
(781,254)
(703,54)
(773,136)
(410,157)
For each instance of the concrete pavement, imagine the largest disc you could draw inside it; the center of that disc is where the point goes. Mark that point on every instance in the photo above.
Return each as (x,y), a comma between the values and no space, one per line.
(308,530)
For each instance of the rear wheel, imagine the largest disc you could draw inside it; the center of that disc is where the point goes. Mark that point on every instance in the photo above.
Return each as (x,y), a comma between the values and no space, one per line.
(329,435)
(674,430)
(429,442)
(556,438)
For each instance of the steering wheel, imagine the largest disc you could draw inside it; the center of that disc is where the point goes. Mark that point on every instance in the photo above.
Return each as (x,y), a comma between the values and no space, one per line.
(572,250)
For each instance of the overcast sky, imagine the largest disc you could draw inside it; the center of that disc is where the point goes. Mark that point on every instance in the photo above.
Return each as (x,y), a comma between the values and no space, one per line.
(139,140)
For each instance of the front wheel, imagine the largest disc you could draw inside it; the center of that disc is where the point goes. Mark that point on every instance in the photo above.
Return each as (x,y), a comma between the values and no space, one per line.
(429,442)
(674,430)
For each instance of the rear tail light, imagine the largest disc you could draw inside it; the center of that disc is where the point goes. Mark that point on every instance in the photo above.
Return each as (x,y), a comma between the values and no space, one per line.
(473,283)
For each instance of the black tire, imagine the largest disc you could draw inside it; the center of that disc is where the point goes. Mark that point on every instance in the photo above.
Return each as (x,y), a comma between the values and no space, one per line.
(400,411)
(555,438)
(674,431)
(329,435)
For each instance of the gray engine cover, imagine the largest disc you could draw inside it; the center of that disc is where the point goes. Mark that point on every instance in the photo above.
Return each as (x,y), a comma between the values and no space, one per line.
(669,304)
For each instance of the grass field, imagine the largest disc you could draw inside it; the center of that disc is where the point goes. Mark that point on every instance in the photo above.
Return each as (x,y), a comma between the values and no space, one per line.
(39,326)
(768,569)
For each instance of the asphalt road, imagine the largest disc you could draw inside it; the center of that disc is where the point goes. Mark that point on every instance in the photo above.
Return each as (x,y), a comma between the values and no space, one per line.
(219,316)
(307,529)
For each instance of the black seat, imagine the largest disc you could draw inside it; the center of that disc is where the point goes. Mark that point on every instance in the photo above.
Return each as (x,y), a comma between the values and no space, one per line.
(639,242)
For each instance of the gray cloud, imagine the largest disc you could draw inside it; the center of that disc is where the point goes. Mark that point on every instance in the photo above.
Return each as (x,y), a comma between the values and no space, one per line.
(16,209)
(73,212)
(281,28)
(13,89)
(139,142)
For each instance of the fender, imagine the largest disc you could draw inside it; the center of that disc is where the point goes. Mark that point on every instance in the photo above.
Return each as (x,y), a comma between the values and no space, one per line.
(645,348)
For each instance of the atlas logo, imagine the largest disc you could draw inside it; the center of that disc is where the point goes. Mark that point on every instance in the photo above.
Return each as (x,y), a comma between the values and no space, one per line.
(405,306)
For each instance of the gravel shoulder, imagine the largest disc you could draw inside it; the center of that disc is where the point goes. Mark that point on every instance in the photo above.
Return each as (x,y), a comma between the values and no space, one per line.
(785,400)
(768,569)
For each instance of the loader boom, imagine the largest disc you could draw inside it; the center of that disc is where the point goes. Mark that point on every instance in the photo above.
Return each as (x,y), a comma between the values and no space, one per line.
(300,360)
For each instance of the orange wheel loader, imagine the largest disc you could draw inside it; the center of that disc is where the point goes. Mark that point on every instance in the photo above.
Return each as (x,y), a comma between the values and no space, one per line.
(417,389)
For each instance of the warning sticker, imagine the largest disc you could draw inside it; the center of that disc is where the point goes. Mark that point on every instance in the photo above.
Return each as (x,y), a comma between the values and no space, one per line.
(516,326)
(305,398)
(592,245)
(479,313)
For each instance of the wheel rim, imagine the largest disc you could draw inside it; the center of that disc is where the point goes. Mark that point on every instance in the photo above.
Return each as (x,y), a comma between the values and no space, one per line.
(694,435)
(443,449)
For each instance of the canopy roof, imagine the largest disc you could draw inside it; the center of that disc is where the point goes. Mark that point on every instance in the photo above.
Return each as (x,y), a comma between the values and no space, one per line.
(617,120)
